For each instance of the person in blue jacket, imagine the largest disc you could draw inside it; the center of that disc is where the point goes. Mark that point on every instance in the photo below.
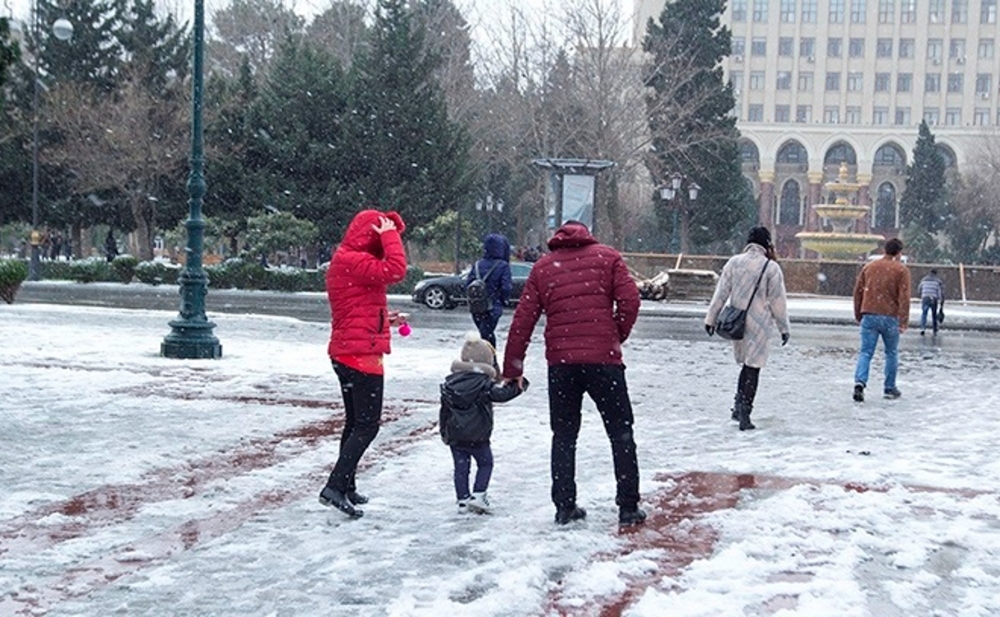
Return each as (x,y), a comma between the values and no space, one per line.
(494,270)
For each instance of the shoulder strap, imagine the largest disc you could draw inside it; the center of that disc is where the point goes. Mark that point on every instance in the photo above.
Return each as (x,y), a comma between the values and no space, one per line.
(476,269)
(758,283)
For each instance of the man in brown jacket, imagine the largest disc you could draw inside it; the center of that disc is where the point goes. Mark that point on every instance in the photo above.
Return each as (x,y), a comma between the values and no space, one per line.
(882,307)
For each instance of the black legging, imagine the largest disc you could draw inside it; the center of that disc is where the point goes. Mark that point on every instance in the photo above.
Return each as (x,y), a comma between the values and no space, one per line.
(363,411)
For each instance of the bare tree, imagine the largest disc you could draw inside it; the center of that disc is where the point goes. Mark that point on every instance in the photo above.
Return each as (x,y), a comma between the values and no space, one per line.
(341,30)
(250,30)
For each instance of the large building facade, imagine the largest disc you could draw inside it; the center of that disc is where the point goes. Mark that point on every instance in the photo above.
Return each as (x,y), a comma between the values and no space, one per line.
(820,82)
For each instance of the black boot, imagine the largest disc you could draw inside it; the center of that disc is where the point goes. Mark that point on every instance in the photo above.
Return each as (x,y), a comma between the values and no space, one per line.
(330,496)
(746,392)
(744,415)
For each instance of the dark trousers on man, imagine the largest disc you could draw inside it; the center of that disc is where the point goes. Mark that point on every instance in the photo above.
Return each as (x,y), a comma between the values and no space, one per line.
(362,413)
(605,385)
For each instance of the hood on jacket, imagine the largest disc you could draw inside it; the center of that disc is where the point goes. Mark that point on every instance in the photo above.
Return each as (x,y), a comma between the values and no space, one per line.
(496,246)
(361,234)
(571,235)
(462,389)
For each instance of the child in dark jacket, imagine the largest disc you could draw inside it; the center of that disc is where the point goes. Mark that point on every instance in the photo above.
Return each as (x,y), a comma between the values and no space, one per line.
(466,420)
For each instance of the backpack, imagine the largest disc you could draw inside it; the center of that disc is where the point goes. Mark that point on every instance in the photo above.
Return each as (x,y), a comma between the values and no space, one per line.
(479,300)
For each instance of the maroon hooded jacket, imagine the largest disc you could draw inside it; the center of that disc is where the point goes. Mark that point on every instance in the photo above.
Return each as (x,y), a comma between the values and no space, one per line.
(362,268)
(589,299)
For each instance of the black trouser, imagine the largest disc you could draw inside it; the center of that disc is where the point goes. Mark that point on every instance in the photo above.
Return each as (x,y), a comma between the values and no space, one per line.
(362,413)
(486,323)
(462,455)
(605,384)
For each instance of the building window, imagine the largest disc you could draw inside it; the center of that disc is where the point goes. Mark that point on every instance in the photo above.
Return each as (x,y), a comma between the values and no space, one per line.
(956,49)
(736,79)
(831,115)
(902,116)
(808,11)
(852,115)
(890,155)
(786,46)
(988,12)
(856,48)
(882,82)
(886,11)
(792,152)
(953,116)
(756,80)
(836,12)
(788,11)
(880,115)
(932,116)
(755,113)
(935,49)
(807,47)
(760,11)
(803,114)
(883,48)
(906,48)
(885,207)
(932,82)
(908,11)
(790,211)
(739,47)
(758,46)
(784,81)
(955,83)
(833,82)
(805,82)
(981,116)
(959,11)
(782,113)
(855,82)
(984,83)
(904,82)
(833,48)
(986,47)
(739,10)
(935,11)
(858,10)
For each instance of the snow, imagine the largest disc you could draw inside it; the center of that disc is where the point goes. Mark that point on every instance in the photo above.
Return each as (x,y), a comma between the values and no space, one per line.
(138,485)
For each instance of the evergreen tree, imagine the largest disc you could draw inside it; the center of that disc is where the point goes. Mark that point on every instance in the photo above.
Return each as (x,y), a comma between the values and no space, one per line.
(923,206)
(411,157)
(155,49)
(93,55)
(9,51)
(691,121)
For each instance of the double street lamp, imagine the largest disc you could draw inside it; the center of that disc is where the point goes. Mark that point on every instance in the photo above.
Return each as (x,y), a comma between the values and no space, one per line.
(673,193)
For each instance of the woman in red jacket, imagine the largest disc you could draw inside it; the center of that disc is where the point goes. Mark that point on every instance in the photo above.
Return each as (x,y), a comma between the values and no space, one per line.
(368,260)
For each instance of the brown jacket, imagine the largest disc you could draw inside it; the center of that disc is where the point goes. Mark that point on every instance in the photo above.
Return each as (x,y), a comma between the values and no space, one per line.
(883,288)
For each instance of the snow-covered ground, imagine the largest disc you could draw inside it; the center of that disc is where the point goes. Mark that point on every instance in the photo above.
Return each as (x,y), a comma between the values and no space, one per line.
(138,485)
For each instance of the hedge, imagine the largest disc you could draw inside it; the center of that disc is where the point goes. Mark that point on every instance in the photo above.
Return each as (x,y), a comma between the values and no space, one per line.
(12,274)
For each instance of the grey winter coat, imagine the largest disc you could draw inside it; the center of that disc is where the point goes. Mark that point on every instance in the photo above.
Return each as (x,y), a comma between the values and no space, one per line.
(769,304)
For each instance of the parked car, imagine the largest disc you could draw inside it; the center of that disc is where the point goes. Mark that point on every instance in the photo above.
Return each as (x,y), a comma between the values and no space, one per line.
(447,292)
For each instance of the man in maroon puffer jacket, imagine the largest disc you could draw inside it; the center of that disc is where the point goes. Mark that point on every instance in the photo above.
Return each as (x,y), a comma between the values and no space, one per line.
(590,303)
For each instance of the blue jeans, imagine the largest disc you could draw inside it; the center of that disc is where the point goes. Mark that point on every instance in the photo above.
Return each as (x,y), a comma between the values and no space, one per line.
(872,327)
(462,456)
(928,304)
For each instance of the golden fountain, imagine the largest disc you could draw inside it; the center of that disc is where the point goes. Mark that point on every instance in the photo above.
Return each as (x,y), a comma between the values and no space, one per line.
(841,243)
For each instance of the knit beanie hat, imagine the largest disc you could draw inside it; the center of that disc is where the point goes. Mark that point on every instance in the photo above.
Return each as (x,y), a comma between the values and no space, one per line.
(761,236)
(477,355)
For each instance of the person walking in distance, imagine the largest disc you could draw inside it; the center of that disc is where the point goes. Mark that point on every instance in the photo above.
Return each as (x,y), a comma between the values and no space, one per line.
(753,279)
(489,281)
(369,259)
(882,308)
(931,291)
(590,304)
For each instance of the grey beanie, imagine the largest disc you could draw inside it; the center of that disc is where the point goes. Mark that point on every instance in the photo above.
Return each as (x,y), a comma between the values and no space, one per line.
(477,355)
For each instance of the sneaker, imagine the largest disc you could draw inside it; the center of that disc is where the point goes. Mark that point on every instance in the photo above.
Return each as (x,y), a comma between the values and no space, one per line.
(627,517)
(357,498)
(893,393)
(331,497)
(479,503)
(859,392)
(463,505)
(565,516)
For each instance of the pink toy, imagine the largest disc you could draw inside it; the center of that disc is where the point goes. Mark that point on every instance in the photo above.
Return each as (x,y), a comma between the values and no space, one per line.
(404,330)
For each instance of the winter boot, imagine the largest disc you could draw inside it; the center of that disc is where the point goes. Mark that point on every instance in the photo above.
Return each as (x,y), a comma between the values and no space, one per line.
(479,503)
(627,517)
(859,393)
(743,411)
(564,516)
(330,496)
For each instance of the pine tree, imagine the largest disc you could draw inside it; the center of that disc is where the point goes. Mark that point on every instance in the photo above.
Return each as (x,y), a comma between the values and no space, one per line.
(923,206)
(691,121)
(155,49)
(93,55)
(9,51)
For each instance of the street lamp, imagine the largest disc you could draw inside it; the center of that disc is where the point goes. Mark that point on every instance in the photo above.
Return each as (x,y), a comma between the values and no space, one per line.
(489,206)
(191,333)
(672,192)
(63,30)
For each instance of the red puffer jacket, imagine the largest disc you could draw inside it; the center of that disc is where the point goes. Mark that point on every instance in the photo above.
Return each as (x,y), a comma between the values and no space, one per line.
(362,268)
(589,299)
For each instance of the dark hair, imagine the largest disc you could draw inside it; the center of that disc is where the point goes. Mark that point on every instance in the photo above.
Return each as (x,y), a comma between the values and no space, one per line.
(893,246)
(933,271)
(760,235)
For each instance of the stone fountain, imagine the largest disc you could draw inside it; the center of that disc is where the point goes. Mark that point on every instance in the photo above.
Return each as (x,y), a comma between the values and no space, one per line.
(842,242)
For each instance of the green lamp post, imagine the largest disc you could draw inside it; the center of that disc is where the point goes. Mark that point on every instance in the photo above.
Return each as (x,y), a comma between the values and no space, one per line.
(191,333)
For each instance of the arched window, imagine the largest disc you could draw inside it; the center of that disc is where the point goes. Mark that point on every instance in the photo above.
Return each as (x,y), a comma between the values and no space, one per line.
(749,152)
(885,207)
(947,154)
(840,152)
(790,209)
(890,155)
(792,152)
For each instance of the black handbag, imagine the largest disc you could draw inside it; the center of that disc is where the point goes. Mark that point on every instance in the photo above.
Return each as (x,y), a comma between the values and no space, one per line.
(732,322)
(940,315)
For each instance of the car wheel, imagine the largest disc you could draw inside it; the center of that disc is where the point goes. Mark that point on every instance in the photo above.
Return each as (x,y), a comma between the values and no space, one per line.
(435,297)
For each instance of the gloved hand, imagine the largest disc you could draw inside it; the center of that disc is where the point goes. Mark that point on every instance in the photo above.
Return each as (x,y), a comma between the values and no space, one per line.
(709,329)
(784,339)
